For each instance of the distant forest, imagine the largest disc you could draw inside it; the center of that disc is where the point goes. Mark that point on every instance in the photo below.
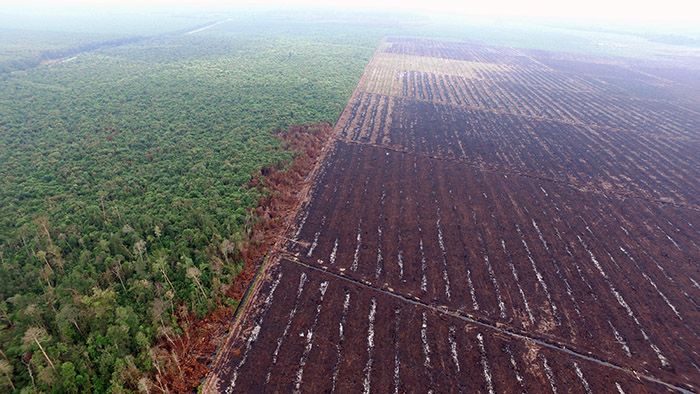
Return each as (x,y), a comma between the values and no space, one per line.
(35,58)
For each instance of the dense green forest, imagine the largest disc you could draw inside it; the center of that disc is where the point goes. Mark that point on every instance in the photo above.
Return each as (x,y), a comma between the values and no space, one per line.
(123,196)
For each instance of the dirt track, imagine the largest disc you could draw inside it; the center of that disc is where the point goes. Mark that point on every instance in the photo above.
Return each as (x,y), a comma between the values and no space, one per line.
(518,222)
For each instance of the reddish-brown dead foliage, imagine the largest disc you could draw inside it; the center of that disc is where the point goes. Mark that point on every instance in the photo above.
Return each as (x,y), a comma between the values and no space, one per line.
(189,355)
(281,187)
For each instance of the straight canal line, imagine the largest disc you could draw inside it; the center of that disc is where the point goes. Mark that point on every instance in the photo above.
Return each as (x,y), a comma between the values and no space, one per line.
(506,331)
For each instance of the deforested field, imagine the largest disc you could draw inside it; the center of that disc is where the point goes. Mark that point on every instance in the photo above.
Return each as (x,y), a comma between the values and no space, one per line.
(489,219)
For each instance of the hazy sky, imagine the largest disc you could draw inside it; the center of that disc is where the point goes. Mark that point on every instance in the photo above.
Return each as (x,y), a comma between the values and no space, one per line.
(667,10)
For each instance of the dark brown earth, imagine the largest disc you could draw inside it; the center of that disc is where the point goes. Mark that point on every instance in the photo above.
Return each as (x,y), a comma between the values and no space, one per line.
(492,220)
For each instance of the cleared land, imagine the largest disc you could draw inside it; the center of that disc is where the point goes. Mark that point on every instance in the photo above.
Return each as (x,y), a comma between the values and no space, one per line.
(489,219)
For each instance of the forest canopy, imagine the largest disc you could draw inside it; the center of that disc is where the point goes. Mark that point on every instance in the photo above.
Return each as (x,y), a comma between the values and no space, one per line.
(124,195)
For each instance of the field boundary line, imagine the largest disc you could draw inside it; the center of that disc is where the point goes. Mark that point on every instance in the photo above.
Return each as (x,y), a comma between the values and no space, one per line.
(271,259)
(274,255)
(355,92)
(236,313)
(507,331)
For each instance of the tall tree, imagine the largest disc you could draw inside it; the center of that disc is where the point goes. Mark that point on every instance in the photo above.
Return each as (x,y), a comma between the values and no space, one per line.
(6,369)
(37,335)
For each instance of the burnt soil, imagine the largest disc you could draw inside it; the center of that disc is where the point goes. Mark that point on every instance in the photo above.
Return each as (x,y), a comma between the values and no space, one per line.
(530,225)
